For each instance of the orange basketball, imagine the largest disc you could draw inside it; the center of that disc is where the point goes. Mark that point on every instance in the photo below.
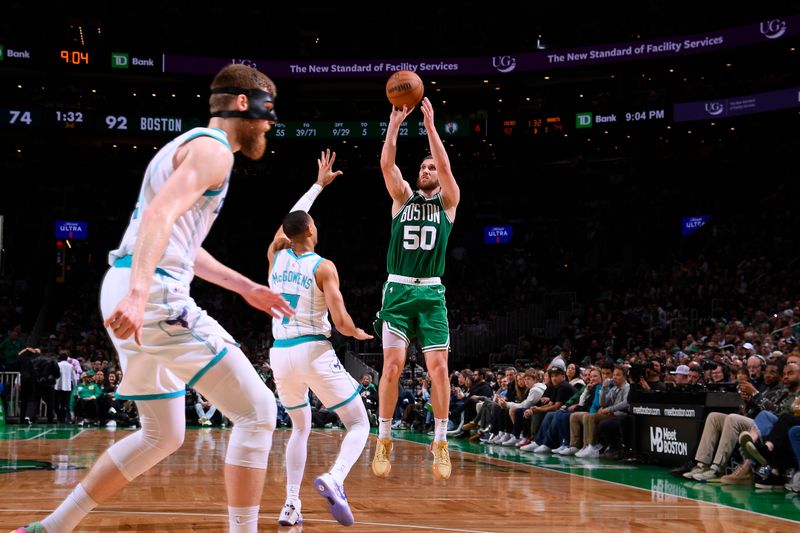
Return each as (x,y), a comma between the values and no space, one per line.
(404,88)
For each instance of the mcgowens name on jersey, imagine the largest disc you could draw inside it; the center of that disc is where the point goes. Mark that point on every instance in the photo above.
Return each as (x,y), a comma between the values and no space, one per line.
(292,276)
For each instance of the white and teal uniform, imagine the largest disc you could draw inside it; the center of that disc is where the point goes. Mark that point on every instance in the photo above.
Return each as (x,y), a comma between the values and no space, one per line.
(302,356)
(180,342)
(191,228)
(294,277)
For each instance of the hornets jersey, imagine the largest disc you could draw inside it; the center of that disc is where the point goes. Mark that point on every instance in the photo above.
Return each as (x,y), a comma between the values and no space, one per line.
(191,228)
(295,278)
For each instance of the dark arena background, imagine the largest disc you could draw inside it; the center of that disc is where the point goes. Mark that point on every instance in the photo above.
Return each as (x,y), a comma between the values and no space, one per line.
(629,192)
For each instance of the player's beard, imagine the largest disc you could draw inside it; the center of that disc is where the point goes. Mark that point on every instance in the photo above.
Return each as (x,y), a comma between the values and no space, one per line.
(428,185)
(252,139)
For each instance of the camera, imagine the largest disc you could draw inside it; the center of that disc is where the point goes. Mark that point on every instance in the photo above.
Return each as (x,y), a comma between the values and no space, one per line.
(708,364)
(639,370)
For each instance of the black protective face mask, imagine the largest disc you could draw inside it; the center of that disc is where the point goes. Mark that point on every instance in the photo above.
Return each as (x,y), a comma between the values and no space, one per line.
(257,100)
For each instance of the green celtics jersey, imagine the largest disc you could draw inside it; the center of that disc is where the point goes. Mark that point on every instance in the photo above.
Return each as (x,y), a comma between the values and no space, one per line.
(418,244)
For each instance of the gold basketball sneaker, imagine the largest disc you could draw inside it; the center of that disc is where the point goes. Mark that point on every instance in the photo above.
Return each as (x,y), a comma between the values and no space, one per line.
(380,463)
(441,460)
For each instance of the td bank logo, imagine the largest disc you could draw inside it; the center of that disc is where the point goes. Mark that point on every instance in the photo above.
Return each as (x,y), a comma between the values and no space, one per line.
(2,52)
(583,120)
(120,60)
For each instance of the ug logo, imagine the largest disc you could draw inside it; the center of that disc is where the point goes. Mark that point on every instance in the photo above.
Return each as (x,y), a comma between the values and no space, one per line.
(772,29)
(504,63)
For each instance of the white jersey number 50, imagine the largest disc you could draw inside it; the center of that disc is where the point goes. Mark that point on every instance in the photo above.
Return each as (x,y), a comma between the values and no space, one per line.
(415,237)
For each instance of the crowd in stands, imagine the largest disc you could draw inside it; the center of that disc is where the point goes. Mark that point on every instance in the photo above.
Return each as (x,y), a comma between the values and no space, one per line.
(571,409)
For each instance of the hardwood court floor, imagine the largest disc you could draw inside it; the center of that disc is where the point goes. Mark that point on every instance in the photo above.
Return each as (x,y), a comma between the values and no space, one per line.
(485,494)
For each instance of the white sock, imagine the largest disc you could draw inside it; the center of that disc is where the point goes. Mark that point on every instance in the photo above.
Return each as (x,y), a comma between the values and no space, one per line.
(354,417)
(440,429)
(243,519)
(293,495)
(384,428)
(71,511)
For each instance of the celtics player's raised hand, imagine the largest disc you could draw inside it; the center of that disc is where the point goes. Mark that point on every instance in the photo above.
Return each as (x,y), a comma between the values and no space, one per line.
(326,174)
(427,113)
(398,116)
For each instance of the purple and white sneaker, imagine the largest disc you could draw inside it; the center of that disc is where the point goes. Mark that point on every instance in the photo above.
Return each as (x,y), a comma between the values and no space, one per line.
(329,489)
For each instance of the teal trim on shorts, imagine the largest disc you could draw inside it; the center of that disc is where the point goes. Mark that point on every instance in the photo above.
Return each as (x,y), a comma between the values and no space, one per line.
(206,368)
(140,397)
(287,343)
(338,405)
(126,261)
(295,407)
(213,192)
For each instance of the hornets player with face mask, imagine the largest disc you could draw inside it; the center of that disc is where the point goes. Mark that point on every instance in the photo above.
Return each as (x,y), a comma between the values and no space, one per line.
(164,340)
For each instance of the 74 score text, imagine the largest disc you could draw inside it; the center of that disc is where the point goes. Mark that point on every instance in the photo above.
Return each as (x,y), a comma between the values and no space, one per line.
(72,119)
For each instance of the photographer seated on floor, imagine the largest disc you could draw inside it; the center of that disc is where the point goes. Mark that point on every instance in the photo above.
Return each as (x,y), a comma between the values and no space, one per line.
(646,376)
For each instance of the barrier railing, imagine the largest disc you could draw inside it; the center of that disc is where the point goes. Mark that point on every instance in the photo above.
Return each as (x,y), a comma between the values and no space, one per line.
(10,395)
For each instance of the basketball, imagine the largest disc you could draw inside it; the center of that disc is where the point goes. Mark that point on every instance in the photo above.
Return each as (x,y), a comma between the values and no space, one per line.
(404,88)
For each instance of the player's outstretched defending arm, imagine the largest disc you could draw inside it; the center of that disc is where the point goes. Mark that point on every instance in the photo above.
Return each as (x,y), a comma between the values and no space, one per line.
(398,188)
(325,176)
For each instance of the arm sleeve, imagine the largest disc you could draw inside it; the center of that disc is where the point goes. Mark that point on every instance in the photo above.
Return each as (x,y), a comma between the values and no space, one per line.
(305,201)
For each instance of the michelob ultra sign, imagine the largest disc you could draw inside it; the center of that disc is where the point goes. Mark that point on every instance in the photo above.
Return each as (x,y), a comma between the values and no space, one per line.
(70,229)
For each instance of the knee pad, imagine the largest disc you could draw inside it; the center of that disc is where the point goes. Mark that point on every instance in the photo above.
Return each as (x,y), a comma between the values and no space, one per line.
(251,438)
(163,430)
(233,386)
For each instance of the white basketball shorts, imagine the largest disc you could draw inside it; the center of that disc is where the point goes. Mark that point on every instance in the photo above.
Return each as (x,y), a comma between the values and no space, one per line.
(180,342)
(309,362)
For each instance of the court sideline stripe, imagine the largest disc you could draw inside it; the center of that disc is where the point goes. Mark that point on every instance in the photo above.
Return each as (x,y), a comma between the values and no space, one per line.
(40,434)
(789,520)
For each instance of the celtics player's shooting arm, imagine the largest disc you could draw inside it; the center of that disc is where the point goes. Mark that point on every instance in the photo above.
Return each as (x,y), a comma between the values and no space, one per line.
(450,193)
(328,282)
(398,188)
